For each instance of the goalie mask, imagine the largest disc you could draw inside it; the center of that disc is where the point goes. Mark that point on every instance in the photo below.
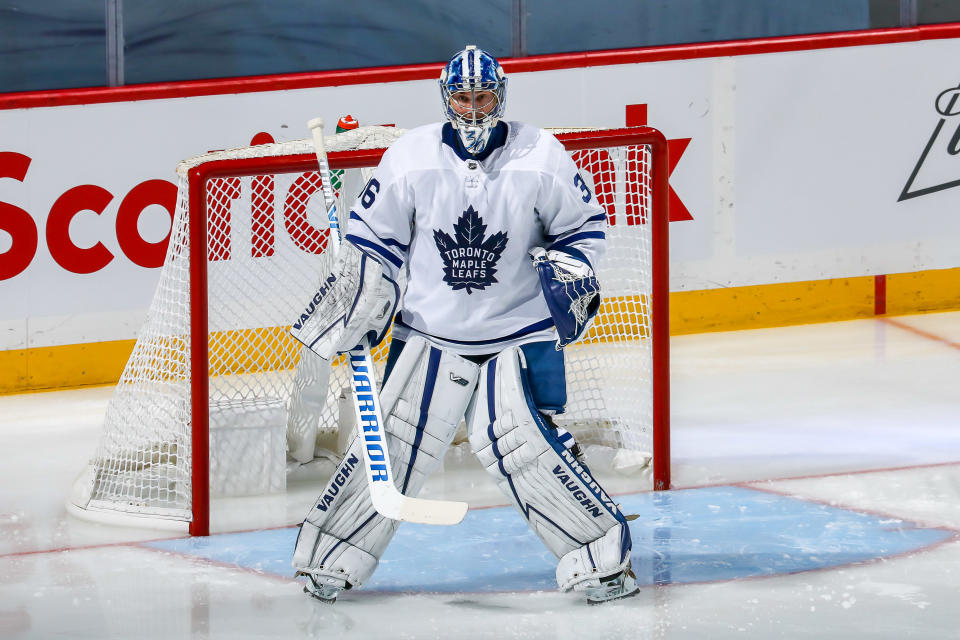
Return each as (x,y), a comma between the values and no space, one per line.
(473,87)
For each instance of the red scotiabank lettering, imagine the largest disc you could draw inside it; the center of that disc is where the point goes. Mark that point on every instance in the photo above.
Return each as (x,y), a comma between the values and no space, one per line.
(218,217)
(262,216)
(86,197)
(16,221)
(600,165)
(261,200)
(306,236)
(139,251)
(224,191)
(22,227)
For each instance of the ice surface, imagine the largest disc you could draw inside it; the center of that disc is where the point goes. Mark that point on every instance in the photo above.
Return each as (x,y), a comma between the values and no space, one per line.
(817,495)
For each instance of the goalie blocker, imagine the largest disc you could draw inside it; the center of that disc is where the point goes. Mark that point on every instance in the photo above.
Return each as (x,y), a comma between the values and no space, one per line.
(355,300)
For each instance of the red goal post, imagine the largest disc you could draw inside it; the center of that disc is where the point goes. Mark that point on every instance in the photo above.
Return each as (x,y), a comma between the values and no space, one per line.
(164,472)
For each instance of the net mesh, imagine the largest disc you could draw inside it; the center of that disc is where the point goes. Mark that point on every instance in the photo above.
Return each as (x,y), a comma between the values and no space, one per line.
(609,385)
(266,236)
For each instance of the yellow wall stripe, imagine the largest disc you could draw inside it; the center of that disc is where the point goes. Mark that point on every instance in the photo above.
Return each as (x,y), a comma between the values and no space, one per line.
(770,305)
(753,307)
(74,365)
(923,291)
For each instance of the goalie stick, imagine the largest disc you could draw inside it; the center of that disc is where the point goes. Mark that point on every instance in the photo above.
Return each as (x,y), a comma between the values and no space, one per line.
(386,499)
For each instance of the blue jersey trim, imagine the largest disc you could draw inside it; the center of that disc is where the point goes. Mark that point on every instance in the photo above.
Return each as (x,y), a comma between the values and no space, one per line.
(600,217)
(575,253)
(498,138)
(363,242)
(390,242)
(537,326)
(560,244)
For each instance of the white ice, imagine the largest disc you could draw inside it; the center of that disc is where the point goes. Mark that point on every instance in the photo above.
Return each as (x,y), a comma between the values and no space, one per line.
(863,415)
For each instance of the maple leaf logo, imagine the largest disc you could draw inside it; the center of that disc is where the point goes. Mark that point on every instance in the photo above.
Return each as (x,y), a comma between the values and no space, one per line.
(469,260)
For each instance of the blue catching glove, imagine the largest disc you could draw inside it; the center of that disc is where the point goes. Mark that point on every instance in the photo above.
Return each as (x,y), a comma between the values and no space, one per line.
(571,291)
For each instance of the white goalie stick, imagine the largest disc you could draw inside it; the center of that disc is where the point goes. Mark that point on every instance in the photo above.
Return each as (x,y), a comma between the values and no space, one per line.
(386,499)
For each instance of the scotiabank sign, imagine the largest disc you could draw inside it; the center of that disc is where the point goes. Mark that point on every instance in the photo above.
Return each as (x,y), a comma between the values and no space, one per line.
(27,229)
(780,176)
(26,235)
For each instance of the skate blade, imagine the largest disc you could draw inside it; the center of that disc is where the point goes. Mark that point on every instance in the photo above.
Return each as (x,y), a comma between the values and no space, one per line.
(622,596)
(319,598)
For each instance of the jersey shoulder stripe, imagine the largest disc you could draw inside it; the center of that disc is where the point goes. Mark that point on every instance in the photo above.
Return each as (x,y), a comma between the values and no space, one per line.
(600,217)
(363,242)
(389,242)
(583,235)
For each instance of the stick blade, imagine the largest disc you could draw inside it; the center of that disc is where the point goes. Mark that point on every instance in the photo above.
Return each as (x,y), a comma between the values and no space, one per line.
(438,512)
(396,506)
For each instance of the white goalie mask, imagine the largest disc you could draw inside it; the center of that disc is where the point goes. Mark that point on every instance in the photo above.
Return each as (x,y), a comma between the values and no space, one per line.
(473,88)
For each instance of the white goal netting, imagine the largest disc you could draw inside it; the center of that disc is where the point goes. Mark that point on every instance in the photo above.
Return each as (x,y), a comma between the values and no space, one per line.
(266,231)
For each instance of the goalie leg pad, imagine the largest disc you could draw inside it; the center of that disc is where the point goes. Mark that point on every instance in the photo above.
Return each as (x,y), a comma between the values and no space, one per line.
(354,300)
(562,502)
(583,568)
(343,537)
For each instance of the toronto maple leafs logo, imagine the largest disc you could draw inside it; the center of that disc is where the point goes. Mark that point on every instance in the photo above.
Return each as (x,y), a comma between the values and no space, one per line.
(469,260)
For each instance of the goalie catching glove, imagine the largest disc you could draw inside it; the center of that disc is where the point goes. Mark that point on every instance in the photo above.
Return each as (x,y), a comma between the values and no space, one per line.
(571,291)
(355,300)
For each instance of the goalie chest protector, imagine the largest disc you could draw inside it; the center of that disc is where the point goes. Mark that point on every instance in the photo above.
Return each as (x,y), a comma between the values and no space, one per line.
(461,228)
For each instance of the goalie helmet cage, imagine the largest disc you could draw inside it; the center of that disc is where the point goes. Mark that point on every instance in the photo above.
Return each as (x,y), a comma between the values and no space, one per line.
(205,398)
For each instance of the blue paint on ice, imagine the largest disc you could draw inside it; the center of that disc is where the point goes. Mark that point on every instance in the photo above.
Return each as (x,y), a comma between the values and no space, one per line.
(694,535)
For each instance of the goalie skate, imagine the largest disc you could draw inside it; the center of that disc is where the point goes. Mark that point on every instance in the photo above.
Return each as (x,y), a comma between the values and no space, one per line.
(326,593)
(615,587)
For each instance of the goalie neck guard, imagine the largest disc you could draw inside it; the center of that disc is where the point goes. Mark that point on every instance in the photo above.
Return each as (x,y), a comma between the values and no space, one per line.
(473,71)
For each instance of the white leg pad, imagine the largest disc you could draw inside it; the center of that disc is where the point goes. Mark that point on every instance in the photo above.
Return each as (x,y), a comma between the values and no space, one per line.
(350,565)
(428,391)
(563,504)
(582,568)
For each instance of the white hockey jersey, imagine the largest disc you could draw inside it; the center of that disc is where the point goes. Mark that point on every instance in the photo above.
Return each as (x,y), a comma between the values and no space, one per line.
(460,229)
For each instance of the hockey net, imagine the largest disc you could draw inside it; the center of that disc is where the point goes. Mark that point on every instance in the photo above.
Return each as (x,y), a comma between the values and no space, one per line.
(215,380)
